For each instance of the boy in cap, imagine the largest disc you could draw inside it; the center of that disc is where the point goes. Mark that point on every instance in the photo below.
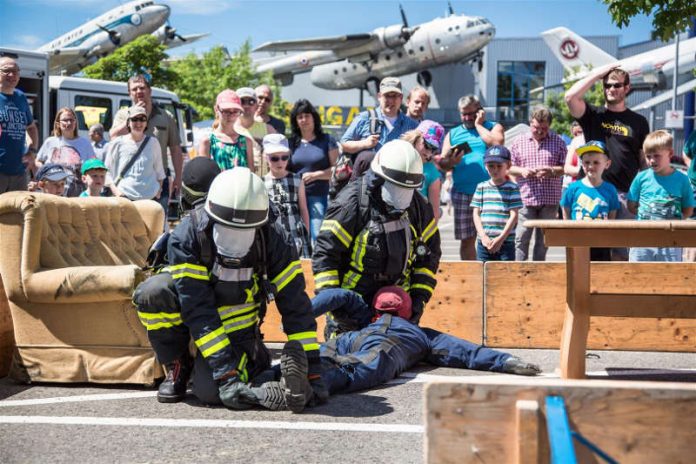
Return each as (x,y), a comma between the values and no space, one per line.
(94,177)
(286,191)
(51,179)
(495,204)
(591,198)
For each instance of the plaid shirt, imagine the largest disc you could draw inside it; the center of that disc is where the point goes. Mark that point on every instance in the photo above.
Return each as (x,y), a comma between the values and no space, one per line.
(528,153)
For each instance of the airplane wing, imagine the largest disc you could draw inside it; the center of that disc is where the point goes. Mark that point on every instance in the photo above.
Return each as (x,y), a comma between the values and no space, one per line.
(318,43)
(665,96)
(65,57)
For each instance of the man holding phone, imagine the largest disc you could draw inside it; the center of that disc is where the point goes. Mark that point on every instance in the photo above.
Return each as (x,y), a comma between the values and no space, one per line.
(463,151)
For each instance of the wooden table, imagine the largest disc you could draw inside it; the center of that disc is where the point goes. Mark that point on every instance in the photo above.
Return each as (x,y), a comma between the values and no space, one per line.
(581,303)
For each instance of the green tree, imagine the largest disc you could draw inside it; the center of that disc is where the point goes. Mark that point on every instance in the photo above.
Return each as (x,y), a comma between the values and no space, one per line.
(201,78)
(144,55)
(669,16)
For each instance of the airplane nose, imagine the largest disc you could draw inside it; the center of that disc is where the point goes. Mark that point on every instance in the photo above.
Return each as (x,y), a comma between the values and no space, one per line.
(161,11)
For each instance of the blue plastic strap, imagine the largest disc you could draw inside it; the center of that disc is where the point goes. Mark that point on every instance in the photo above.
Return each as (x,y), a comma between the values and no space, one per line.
(594,448)
(558,428)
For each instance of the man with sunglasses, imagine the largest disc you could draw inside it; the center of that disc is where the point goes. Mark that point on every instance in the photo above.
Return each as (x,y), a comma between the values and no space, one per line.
(264,97)
(248,126)
(162,126)
(16,121)
(622,130)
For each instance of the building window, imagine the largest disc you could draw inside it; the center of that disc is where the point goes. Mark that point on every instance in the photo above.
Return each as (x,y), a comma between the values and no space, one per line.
(515,81)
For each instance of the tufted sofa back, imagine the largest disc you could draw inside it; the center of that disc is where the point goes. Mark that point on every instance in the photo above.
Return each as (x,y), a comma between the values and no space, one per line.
(90,232)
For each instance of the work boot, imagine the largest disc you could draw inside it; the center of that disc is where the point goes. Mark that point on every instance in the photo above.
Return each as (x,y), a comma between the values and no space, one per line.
(294,369)
(514,365)
(270,395)
(173,387)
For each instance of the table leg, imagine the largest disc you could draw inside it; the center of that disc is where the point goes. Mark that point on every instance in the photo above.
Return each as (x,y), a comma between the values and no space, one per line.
(576,324)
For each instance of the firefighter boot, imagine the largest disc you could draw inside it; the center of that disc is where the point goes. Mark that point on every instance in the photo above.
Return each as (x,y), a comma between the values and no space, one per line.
(173,387)
(294,369)
(270,395)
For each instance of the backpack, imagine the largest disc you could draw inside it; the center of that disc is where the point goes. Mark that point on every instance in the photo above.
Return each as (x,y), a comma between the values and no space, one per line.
(343,170)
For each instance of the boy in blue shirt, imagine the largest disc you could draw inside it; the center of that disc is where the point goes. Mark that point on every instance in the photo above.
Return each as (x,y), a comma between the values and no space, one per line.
(659,193)
(591,198)
(496,203)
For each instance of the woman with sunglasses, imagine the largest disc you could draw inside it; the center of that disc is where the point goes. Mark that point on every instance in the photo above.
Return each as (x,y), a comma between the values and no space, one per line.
(67,149)
(252,129)
(141,180)
(286,192)
(427,140)
(314,153)
(225,145)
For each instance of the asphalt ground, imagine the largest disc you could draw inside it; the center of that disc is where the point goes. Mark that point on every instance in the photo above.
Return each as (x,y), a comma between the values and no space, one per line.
(50,423)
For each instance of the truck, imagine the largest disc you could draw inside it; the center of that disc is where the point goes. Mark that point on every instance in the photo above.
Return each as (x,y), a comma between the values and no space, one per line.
(93,100)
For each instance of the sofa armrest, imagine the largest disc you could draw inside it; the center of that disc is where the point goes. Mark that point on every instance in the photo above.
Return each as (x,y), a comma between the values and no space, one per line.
(83,284)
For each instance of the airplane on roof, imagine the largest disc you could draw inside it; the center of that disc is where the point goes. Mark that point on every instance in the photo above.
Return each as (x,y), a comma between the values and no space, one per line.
(578,56)
(100,36)
(356,60)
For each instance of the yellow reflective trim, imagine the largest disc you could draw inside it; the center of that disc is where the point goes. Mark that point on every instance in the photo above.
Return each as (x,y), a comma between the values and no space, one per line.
(209,336)
(286,275)
(225,313)
(430,230)
(240,323)
(311,346)
(359,250)
(422,287)
(192,267)
(301,335)
(425,270)
(154,321)
(337,229)
(350,280)
(216,347)
(194,271)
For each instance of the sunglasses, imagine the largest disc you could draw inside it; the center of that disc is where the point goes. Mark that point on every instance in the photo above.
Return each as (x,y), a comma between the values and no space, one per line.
(248,101)
(268,99)
(429,146)
(139,119)
(275,159)
(67,121)
(230,112)
(616,85)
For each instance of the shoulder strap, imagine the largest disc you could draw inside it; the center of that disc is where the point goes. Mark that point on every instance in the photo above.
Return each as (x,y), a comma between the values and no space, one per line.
(374,121)
(132,161)
(202,237)
(364,201)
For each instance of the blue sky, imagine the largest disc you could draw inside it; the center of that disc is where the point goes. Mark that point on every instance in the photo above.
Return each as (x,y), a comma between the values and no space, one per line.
(30,23)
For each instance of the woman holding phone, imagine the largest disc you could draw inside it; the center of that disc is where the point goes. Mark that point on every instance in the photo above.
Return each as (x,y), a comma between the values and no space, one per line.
(463,151)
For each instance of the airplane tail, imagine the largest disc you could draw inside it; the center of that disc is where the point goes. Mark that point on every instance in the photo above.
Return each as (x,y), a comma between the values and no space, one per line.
(575,52)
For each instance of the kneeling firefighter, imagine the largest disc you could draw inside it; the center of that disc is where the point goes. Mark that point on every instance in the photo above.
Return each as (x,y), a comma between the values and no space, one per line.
(380,232)
(226,261)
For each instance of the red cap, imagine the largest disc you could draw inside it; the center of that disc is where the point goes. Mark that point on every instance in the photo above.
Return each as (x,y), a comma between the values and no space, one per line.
(393,300)
(228,100)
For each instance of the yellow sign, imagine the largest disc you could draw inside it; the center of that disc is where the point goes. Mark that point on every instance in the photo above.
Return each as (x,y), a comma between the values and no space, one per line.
(338,115)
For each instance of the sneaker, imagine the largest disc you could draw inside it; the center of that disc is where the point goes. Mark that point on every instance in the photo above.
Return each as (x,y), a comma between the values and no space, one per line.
(173,387)
(514,365)
(294,369)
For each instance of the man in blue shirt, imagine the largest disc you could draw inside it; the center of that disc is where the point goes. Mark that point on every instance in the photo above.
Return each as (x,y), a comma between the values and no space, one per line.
(16,122)
(391,121)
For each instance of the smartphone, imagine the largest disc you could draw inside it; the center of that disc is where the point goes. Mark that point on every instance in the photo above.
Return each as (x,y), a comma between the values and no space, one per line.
(463,147)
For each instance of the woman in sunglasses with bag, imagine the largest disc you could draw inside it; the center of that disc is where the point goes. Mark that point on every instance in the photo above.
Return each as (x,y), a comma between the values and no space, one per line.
(135,160)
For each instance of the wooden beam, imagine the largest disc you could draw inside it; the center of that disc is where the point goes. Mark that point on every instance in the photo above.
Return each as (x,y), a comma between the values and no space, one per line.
(576,323)
(528,428)
(634,422)
(641,305)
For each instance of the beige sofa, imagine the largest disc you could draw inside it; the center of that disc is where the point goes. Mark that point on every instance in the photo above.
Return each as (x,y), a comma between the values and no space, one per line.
(69,268)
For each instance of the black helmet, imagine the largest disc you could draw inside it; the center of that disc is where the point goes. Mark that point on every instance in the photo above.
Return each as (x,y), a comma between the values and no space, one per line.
(196,179)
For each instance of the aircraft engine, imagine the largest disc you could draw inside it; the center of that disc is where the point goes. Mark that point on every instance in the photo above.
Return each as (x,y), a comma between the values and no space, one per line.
(285,79)
(394,36)
(424,78)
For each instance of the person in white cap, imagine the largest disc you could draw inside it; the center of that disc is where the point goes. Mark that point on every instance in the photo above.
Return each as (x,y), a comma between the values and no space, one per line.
(286,192)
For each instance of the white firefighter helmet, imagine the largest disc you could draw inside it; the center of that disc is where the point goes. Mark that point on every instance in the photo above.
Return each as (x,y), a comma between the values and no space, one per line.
(399,163)
(238,198)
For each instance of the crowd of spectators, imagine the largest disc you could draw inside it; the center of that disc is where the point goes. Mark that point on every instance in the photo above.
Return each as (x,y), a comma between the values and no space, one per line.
(612,168)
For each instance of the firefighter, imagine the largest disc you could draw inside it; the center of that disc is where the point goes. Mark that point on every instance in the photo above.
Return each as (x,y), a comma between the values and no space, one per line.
(379,233)
(226,261)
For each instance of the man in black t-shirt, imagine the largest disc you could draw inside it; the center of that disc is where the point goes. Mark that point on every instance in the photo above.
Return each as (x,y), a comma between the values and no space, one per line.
(622,130)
